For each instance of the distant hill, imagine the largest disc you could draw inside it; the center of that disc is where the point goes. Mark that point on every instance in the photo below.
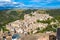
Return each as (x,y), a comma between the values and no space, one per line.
(54,12)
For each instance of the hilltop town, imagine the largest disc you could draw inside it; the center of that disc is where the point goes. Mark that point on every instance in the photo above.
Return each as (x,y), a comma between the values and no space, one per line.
(32,22)
(29,23)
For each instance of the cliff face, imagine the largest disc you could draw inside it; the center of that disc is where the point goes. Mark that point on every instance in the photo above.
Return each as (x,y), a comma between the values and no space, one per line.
(29,23)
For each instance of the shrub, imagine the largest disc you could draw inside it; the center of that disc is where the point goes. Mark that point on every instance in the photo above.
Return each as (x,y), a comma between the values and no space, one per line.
(31,14)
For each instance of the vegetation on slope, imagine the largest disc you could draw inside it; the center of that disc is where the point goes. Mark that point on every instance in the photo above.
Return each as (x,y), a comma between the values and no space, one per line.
(55,13)
(11,16)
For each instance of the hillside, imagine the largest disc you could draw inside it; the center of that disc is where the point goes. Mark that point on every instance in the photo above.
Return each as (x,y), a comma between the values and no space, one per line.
(9,16)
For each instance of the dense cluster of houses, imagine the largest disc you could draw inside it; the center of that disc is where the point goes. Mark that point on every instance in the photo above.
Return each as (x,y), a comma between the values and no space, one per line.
(29,23)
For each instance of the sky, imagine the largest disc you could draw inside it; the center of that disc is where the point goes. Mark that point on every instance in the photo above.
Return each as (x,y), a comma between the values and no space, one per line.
(35,3)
